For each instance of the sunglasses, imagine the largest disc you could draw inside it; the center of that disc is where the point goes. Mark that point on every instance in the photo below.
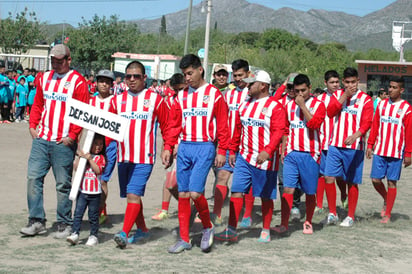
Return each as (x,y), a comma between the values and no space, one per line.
(135,76)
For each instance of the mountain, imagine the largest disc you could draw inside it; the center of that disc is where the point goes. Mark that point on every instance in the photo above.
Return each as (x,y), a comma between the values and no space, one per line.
(235,16)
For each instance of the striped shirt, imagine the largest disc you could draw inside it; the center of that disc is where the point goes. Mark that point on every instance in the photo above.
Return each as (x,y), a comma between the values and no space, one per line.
(327,126)
(304,135)
(91,181)
(49,107)
(233,99)
(353,115)
(391,124)
(143,110)
(103,104)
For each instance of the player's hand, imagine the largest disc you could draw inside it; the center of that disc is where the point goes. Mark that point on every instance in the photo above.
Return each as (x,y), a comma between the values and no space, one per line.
(369,153)
(262,157)
(167,160)
(407,161)
(350,140)
(67,141)
(175,151)
(33,133)
(350,91)
(220,160)
(232,160)
(299,100)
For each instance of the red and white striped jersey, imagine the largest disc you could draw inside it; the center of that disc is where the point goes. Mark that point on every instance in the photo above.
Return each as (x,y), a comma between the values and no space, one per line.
(391,124)
(354,115)
(49,107)
(103,104)
(259,126)
(304,135)
(143,110)
(119,88)
(91,181)
(199,116)
(233,99)
(327,126)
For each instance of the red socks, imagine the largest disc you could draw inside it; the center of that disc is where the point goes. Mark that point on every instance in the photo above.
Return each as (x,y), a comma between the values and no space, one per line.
(286,206)
(165,205)
(220,195)
(310,207)
(267,212)
(380,188)
(132,211)
(249,201)
(236,205)
(319,192)
(331,197)
(184,218)
(203,209)
(390,201)
(353,195)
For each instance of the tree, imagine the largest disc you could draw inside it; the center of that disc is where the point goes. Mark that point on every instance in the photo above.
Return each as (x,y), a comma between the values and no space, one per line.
(163,26)
(20,33)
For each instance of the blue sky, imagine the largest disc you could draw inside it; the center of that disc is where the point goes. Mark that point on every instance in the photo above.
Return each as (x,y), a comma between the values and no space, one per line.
(71,12)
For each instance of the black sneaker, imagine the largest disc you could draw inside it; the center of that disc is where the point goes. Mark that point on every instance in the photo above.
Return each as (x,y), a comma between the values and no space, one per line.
(63,231)
(33,228)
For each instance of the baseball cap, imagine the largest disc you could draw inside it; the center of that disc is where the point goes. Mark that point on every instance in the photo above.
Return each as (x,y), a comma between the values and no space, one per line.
(219,67)
(60,51)
(258,76)
(291,77)
(105,73)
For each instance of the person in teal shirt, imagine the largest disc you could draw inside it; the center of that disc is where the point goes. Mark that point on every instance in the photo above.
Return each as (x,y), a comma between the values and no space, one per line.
(21,101)
(11,89)
(4,99)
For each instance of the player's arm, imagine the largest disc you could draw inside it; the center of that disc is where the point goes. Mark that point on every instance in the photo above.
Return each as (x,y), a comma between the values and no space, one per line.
(334,107)
(36,111)
(235,141)
(222,128)
(171,133)
(408,142)
(285,137)
(373,134)
(279,93)
(80,93)
(365,123)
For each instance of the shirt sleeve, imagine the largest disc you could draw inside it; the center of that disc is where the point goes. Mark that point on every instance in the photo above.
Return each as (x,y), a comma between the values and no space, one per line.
(279,92)
(174,126)
(162,113)
(318,118)
(334,107)
(237,131)
(37,107)
(366,119)
(408,132)
(221,111)
(374,130)
(277,129)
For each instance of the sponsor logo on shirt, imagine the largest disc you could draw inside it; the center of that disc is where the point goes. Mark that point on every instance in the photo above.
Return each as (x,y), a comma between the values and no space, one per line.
(194,112)
(250,122)
(233,107)
(389,119)
(135,115)
(296,125)
(54,96)
(350,110)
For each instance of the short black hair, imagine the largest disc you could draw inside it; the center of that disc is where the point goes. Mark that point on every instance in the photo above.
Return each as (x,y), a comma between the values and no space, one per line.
(136,64)
(318,91)
(350,72)
(331,74)
(301,79)
(190,60)
(398,79)
(177,79)
(240,64)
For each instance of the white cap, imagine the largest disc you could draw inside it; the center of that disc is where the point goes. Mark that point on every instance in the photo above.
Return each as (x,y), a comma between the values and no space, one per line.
(258,76)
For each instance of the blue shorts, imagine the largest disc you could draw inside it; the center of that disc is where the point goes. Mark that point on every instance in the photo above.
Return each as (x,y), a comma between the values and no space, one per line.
(111,157)
(226,166)
(386,166)
(323,159)
(346,163)
(300,170)
(194,160)
(133,178)
(245,175)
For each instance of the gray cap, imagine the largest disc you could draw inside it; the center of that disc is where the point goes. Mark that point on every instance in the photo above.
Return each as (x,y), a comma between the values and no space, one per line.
(105,73)
(60,51)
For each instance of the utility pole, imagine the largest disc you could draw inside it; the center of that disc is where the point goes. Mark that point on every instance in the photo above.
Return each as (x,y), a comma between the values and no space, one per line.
(189,18)
(207,34)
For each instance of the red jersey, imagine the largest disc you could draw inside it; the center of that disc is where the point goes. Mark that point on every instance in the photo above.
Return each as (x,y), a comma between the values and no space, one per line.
(353,115)
(391,124)
(233,99)
(103,104)
(326,129)
(49,107)
(259,126)
(199,116)
(143,110)
(91,181)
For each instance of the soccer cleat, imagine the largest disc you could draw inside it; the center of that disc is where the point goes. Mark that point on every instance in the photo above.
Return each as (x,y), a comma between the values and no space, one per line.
(386,219)
(347,222)
(216,220)
(63,231)
(6,122)
(264,236)
(121,239)
(295,214)
(227,235)
(319,210)
(280,229)
(207,239)
(307,228)
(92,241)
(383,210)
(332,219)
(73,239)
(139,236)
(33,228)
(161,215)
(179,247)
(246,222)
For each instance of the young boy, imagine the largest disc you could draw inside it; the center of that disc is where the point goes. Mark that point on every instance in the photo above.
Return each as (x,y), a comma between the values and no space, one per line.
(259,127)
(353,112)
(21,99)
(390,142)
(305,114)
(199,116)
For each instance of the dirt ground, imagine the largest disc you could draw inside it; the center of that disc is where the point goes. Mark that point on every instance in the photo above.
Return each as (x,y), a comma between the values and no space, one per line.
(368,247)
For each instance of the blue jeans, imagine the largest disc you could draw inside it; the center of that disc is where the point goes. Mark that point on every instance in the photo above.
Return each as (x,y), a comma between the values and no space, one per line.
(43,155)
(92,201)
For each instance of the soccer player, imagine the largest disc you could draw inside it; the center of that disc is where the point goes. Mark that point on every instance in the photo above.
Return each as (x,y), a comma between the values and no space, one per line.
(137,152)
(390,142)
(332,84)
(305,114)
(352,110)
(259,127)
(233,98)
(199,115)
